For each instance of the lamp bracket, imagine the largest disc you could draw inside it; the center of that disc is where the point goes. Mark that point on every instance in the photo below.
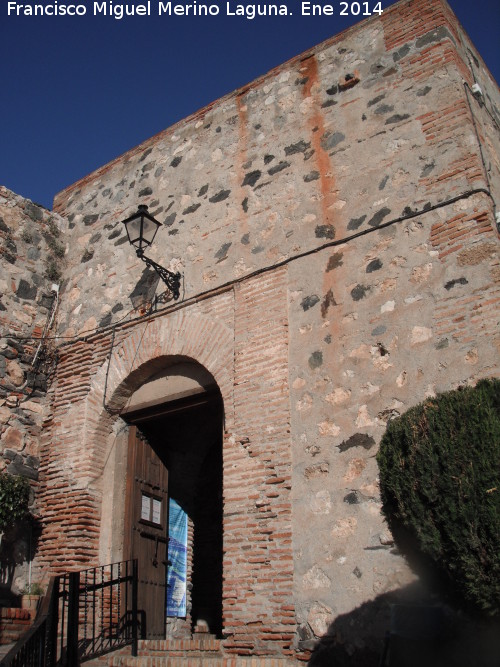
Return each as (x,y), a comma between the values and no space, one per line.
(171,280)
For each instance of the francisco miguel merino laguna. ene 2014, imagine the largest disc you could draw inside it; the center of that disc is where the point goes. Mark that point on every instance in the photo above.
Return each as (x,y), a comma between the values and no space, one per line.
(248,11)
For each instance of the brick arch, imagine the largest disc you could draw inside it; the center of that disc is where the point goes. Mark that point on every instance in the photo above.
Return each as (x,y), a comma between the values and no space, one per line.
(150,346)
(185,336)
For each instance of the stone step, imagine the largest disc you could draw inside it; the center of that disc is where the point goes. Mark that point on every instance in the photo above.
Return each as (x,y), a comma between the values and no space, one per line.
(197,652)
(199,661)
(103,661)
(106,659)
(166,661)
(179,646)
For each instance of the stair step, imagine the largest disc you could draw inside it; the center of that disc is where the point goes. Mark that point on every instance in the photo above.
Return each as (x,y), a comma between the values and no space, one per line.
(176,646)
(166,661)
(179,654)
(199,661)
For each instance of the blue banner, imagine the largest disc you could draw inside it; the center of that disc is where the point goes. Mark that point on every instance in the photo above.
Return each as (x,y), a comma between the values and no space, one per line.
(177,557)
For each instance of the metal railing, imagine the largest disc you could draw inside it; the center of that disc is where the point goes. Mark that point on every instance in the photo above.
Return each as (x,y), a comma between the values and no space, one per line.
(83,615)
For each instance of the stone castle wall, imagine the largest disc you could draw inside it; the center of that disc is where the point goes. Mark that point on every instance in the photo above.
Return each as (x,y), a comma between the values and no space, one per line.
(334,225)
(30,261)
(349,136)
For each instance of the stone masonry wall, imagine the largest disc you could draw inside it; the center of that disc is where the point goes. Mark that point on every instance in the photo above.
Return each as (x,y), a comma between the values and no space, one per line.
(334,223)
(376,325)
(282,166)
(29,261)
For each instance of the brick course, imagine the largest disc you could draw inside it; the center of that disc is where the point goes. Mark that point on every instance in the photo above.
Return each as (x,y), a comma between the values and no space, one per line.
(14,623)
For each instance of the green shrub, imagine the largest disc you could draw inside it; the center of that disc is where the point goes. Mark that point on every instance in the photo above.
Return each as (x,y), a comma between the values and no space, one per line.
(52,271)
(440,485)
(14,500)
(27,236)
(34,589)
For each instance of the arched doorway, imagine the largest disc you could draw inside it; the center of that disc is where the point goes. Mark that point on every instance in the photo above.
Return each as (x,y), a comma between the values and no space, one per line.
(173,514)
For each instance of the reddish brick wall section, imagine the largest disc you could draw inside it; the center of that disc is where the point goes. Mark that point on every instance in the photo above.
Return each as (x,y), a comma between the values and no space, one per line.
(444,123)
(415,18)
(70,510)
(470,240)
(258,587)
(450,236)
(14,623)
(423,66)
(250,365)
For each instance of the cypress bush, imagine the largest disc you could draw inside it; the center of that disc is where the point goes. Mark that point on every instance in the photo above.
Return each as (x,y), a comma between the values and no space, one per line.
(440,485)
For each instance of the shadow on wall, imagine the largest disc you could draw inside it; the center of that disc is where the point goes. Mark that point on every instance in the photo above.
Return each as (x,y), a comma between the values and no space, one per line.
(351,638)
(18,548)
(420,631)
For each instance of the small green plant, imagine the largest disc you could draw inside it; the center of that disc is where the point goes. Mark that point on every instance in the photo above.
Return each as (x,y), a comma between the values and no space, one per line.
(34,589)
(53,228)
(53,244)
(440,485)
(52,271)
(14,500)
(56,247)
(27,236)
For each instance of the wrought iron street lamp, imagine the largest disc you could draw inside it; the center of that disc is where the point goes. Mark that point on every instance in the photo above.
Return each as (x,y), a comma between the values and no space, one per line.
(141,230)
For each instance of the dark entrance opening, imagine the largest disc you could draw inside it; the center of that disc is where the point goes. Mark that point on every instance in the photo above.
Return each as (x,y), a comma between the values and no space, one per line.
(185,437)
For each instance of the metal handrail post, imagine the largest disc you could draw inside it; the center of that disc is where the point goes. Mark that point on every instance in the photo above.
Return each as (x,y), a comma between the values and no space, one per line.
(52,622)
(134,608)
(73,619)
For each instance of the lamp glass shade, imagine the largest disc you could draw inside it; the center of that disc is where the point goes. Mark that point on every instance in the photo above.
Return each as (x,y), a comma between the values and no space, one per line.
(149,229)
(141,228)
(133,227)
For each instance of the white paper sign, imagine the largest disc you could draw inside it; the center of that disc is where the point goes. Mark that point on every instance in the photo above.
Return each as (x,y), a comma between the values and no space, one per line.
(156,511)
(145,507)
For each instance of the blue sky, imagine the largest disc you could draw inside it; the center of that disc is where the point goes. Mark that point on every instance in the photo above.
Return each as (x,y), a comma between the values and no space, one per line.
(78,92)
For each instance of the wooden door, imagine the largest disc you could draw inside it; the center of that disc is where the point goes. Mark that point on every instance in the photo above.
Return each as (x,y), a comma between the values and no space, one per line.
(146,527)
